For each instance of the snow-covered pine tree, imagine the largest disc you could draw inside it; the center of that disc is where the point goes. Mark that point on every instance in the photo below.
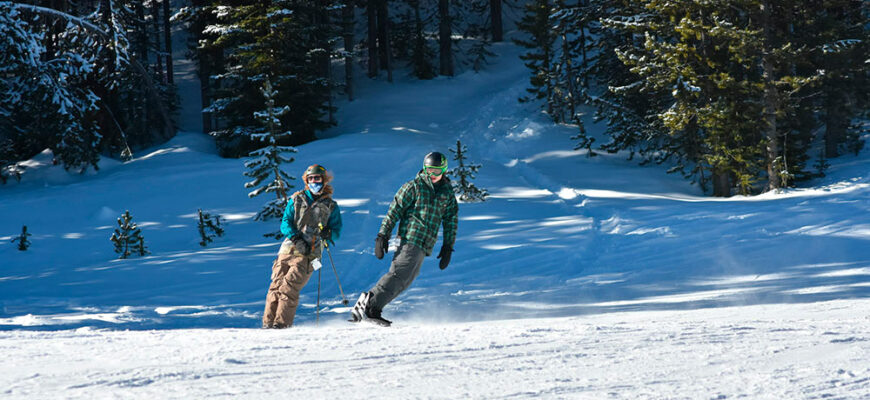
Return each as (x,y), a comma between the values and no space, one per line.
(463,174)
(68,82)
(722,63)
(128,238)
(23,242)
(631,104)
(203,50)
(540,56)
(9,166)
(838,37)
(279,39)
(208,227)
(44,99)
(265,166)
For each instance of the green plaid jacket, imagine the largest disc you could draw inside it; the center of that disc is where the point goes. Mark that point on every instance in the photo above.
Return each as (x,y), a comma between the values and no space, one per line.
(419,207)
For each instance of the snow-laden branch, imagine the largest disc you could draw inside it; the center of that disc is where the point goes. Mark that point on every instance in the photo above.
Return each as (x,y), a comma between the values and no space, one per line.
(60,14)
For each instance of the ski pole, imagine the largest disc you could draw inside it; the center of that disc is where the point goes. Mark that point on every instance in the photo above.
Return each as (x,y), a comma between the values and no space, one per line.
(317,307)
(329,253)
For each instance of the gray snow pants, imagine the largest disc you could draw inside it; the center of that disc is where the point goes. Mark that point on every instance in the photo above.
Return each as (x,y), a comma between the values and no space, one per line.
(404,269)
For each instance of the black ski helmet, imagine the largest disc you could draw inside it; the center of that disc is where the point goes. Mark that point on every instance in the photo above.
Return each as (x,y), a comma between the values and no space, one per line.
(435,159)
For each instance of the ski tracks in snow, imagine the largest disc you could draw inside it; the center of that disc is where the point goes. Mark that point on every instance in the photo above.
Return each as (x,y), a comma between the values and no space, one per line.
(815,350)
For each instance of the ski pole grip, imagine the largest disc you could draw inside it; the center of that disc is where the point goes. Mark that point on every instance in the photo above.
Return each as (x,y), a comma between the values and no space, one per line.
(320,226)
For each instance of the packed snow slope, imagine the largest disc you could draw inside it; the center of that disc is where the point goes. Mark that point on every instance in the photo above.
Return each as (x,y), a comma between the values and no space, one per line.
(562,234)
(581,276)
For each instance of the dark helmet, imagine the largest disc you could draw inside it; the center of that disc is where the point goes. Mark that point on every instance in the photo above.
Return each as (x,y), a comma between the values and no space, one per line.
(435,159)
(315,169)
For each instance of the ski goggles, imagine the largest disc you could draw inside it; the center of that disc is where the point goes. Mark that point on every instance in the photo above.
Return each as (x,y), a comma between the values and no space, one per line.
(436,171)
(314,178)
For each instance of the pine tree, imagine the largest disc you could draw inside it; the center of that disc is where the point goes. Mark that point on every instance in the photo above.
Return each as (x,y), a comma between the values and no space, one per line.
(480,54)
(463,175)
(540,57)
(838,39)
(72,84)
(723,63)
(821,164)
(23,242)
(208,227)
(285,41)
(265,166)
(421,53)
(128,238)
(204,50)
(473,20)
(628,104)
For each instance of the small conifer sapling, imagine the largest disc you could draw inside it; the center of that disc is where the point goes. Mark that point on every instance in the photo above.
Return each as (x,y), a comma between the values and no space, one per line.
(463,174)
(209,227)
(128,238)
(23,242)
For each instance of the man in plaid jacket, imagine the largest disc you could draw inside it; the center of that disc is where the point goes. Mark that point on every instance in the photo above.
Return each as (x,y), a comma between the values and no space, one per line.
(420,206)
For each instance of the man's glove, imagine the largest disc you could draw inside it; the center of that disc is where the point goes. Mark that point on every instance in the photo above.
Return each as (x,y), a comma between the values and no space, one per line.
(301,245)
(381,246)
(444,255)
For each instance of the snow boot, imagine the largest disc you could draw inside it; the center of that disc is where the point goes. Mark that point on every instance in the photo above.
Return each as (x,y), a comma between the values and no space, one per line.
(373,315)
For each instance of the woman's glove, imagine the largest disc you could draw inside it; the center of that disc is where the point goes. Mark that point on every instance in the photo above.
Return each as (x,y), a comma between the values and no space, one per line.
(301,245)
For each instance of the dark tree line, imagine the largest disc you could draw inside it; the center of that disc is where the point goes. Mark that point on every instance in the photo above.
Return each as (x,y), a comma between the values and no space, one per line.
(84,79)
(95,77)
(734,94)
(295,45)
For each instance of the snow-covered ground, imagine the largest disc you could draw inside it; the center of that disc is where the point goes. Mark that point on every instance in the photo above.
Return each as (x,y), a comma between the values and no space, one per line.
(580,278)
(816,350)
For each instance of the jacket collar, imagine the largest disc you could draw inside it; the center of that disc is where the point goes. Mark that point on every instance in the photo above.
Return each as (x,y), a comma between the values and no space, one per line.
(422,175)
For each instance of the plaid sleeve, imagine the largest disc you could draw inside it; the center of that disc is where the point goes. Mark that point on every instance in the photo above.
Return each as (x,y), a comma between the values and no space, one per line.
(403,200)
(450,220)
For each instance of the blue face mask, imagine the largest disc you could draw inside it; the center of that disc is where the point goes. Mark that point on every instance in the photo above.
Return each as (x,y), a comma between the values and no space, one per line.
(315,187)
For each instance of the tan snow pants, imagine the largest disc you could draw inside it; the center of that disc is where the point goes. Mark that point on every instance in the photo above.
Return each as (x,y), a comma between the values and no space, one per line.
(290,272)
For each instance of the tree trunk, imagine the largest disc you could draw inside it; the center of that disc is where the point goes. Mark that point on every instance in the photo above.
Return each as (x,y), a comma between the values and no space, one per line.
(446,42)
(836,122)
(155,15)
(775,164)
(585,60)
(569,77)
(371,13)
(721,184)
(167,38)
(323,22)
(495,14)
(382,32)
(386,51)
(347,16)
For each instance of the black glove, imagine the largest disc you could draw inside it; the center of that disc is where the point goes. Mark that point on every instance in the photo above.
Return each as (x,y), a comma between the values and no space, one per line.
(444,255)
(381,246)
(326,235)
(301,245)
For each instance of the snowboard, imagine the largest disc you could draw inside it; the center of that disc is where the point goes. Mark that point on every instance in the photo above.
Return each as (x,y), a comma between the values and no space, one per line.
(376,321)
